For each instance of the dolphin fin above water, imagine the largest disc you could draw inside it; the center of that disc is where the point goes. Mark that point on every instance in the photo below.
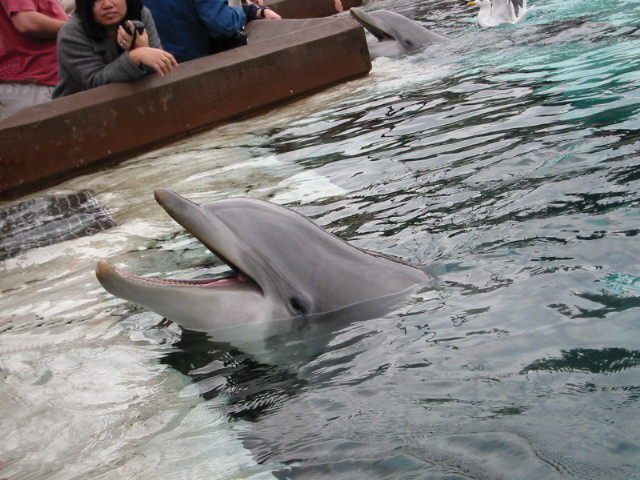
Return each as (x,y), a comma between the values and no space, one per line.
(283,266)
(396,34)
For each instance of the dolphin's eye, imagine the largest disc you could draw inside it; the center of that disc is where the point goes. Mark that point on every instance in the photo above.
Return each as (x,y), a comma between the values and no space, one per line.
(297,306)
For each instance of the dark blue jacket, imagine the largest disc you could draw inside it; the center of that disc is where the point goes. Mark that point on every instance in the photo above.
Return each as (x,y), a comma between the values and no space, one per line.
(185,26)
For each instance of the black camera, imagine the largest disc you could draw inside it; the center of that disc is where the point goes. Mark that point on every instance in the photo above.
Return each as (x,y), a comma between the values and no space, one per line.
(138,28)
(137,24)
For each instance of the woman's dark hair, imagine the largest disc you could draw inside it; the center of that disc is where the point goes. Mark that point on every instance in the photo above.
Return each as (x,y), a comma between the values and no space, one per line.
(84,10)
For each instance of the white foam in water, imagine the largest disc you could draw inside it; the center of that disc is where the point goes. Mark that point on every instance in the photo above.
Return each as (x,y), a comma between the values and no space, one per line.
(102,407)
(298,184)
(306,186)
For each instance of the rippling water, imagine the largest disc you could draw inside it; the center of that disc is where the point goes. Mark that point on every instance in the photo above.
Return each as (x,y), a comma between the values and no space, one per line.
(506,162)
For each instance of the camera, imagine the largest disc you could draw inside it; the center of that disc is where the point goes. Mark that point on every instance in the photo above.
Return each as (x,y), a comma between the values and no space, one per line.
(137,25)
(138,28)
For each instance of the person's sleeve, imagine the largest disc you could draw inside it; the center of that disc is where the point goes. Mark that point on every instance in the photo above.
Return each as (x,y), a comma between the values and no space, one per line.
(150,26)
(219,18)
(86,66)
(17,6)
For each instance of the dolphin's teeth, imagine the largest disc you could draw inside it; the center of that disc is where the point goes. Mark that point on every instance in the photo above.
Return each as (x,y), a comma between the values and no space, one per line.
(175,282)
(223,281)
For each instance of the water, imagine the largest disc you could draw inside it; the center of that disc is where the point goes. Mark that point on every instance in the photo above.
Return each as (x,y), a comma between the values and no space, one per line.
(506,162)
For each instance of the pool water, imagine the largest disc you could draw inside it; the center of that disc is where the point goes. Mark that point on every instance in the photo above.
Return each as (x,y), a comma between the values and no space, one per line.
(505,162)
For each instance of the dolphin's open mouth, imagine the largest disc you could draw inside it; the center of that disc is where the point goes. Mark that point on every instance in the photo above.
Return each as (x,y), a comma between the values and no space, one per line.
(372,25)
(106,271)
(190,216)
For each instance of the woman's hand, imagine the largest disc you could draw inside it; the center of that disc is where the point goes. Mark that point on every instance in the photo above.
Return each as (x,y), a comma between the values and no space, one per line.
(124,39)
(161,61)
(271,15)
(264,12)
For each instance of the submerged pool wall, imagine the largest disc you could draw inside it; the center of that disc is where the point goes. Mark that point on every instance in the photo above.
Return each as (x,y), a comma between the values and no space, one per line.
(48,143)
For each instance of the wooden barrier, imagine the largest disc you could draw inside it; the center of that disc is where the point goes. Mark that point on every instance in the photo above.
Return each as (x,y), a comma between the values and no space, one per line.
(45,144)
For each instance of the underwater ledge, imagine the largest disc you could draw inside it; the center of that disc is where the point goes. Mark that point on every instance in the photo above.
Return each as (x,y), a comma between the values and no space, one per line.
(48,143)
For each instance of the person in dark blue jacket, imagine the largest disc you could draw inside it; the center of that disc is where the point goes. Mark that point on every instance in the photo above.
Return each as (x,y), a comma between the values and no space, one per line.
(187,27)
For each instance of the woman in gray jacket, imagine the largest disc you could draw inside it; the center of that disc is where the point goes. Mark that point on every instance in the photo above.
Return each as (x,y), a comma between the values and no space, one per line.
(94,49)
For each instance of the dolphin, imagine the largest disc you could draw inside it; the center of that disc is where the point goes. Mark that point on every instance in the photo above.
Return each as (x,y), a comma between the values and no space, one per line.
(396,34)
(283,267)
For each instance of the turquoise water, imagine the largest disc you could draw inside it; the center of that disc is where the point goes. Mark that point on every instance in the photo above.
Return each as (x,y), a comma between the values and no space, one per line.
(507,163)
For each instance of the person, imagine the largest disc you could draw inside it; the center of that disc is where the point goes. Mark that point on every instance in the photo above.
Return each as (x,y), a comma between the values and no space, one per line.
(95,49)
(28,55)
(189,29)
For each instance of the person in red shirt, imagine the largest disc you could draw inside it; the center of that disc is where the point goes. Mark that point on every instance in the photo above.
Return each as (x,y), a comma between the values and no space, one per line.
(28,55)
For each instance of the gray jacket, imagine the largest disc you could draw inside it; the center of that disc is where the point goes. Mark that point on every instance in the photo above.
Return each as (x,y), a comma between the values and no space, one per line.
(84,63)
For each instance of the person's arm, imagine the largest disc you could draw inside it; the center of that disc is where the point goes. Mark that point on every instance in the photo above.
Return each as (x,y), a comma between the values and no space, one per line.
(36,25)
(257,10)
(219,18)
(153,58)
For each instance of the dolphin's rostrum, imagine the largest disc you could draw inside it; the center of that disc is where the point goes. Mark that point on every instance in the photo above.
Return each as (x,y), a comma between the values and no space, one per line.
(283,266)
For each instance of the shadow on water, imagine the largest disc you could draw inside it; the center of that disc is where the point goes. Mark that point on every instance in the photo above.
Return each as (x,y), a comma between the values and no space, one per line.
(605,360)
(250,388)
(260,376)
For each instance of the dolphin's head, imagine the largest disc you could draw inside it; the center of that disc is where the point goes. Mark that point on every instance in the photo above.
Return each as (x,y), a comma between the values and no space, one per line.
(396,34)
(282,266)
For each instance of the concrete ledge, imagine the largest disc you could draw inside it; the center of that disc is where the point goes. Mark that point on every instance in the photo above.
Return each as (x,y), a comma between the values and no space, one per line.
(309,8)
(47,143)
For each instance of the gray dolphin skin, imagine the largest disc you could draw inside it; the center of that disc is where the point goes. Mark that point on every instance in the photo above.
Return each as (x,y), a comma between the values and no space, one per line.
(283,266)
(396,34)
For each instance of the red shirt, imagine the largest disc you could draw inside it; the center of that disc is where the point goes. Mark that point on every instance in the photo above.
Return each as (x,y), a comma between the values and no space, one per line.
(26,59)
